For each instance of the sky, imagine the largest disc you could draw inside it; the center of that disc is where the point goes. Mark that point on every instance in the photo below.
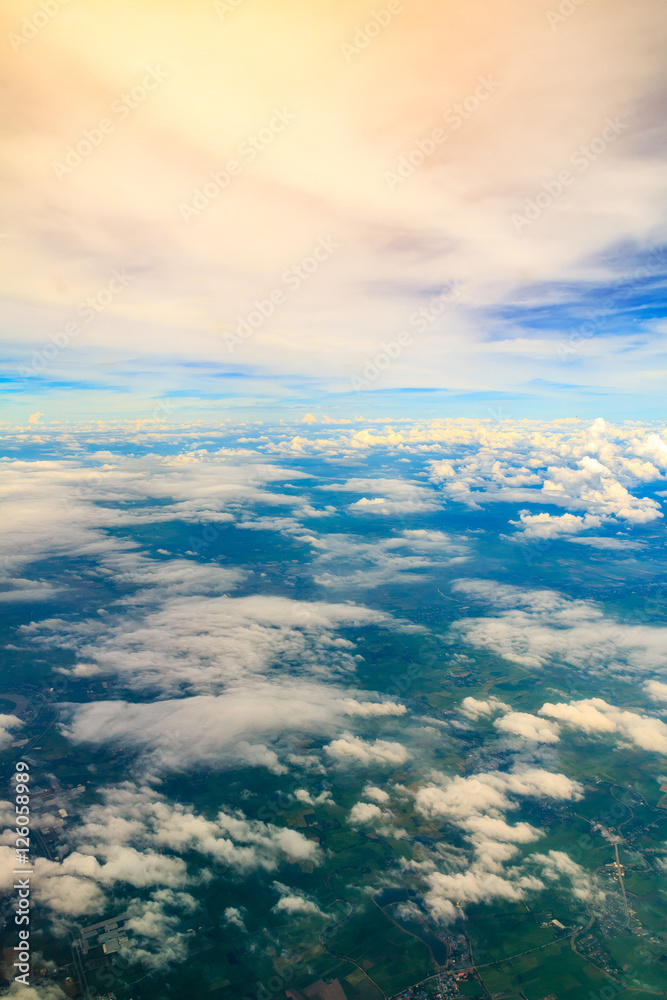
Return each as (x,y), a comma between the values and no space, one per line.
(409,207)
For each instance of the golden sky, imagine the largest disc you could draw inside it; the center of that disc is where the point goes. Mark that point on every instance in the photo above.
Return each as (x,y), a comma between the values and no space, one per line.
(411,135)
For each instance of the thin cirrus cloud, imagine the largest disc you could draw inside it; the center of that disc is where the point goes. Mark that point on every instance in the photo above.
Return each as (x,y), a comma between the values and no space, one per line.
(337,126)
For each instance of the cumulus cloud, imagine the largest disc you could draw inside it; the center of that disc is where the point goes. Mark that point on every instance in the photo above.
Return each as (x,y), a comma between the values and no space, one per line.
(591,469)
(53,885)
(478,806)
(60,509)
(376,794)
(43,991)
(478,885)
(474,708)
(8,723)
(352,748)
(389,496)
(368,709)
(234,917)
(136,838)
(308,799)
(656,690)
(363,813)
(557,865)
(594,715)
(292,902)
(493,793)
(545,525)
(528,727)
(156,940)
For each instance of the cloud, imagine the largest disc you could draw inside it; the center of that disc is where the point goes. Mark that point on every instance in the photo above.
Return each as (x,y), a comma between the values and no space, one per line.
(492,793)
(387,496)
(453,214)
(63,509)
(307,798)
(534,627)
(352,748)
(136,838)
(234,917)
(363,813)
(557,865)
(201,644)
(365,502)
(656,690)
(43,991)
(7,724)
(221,731)
(551,526)
(608,544)
(584,468)
(478,805)
(594,715)
(376,794)
(478,885)
(292,902)
(474,708)
(367,709)
(344,561)
(528,727)
(155,939)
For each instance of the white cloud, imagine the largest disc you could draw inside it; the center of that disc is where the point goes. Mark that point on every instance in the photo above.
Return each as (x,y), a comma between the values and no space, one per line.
(454,214)
(532,627)
(135,838)
(292,902)
(345,561)
(656,690)
(367,709)
(594,715)
(307,798)
(363,813)
(557,865)
(528,727)
(551,526)
(352,748)
(478,805)
(608,544)
(376,794)
(43,991)
(473,708)
(202,644)
(219,731)
(8,723)
(234,917)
